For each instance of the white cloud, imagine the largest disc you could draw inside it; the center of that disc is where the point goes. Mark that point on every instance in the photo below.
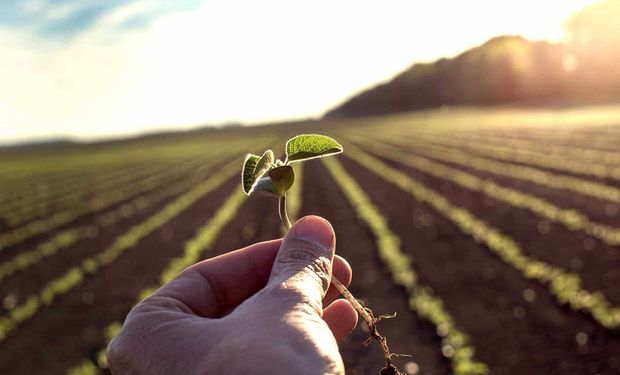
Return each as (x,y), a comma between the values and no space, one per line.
(125,13)
(238,60)
(62,11)
(33,6)
(56,12)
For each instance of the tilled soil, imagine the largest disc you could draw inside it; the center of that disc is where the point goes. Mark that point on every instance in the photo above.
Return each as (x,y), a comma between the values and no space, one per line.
(486,296)
(597,263)
(71,330)
(21,284)
(86,218)
(586,176)
(373,285)
(598,210)
(515,324)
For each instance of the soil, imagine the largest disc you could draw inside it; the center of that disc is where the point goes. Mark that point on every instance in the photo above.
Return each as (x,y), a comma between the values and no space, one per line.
(596,209)
(71,330)
(486,296)
(406,334)
(597,139)
(515,324)
(602,180)
(596,262)
(22,284)
(87,218)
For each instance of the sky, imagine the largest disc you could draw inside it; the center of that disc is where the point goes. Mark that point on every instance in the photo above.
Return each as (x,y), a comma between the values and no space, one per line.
(91,68)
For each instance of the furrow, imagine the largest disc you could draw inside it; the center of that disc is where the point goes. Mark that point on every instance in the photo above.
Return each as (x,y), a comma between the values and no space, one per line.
(90,266)
(421,300)
(69,237)
(194,250)
(565,286)
(557,151)
(27,211)
(540,177)
(569,218)
(41,226)
(527,157)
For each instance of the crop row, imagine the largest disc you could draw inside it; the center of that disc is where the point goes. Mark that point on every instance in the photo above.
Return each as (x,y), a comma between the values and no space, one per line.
(582,137)
(565,286)
(539,159)
(194,251)
(69,214)
(439,134)
(68,237)
(586,127)
(565,152)
(41,187)
(540,177)
(73,161)
(75,193)
(569,218)
(97,183)
(45,187)
(40,226)
(91,265)
(47,174)
(421,299)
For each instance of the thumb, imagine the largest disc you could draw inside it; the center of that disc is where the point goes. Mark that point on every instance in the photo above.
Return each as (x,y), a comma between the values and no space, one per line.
(303,265)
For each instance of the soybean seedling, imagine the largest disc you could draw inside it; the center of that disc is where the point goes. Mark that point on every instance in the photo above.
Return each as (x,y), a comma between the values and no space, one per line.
(275,177)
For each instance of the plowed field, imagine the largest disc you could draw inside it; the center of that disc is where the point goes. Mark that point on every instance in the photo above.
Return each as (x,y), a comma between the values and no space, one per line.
(494,236)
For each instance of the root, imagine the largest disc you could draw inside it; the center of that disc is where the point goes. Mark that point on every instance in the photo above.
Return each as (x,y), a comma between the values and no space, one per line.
(385,316)
(371,322)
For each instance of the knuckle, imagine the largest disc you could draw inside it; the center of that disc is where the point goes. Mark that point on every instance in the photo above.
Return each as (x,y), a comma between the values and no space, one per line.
(117,353)
(307,257)
(122,351)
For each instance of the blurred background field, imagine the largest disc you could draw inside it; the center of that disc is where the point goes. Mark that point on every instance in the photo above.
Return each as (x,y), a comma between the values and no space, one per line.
(478,195)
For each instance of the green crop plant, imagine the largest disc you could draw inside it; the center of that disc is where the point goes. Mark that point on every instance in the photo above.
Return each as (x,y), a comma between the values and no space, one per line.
(564,285)
(91,265)
(570,218)
(275,177)
(590,188)
(421,298)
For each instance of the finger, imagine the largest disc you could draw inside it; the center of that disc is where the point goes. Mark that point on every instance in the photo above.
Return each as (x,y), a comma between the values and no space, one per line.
(216,285)
(342,271)
(302,269)
(341,318)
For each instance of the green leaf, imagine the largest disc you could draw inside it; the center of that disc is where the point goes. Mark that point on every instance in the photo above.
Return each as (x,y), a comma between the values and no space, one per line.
(277,181)
(247,175)
(310,146)
(264,163)
(254,167)
(283,178)
(266,185)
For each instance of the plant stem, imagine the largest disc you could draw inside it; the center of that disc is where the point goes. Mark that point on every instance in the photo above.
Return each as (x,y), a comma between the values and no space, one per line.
(282,212)
(364,312)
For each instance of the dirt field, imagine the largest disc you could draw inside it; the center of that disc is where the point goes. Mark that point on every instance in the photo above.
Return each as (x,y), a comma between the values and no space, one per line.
(513,226)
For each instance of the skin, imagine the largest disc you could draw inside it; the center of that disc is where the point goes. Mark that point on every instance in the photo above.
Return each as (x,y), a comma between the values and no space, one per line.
(264,309)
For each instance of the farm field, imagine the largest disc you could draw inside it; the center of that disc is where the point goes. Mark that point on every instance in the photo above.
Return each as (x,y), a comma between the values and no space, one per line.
(493,234)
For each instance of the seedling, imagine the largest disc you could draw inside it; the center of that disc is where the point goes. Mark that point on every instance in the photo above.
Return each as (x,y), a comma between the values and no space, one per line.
(275,177)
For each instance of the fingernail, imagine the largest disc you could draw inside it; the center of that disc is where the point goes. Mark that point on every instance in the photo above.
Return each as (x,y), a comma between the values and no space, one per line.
(315,229)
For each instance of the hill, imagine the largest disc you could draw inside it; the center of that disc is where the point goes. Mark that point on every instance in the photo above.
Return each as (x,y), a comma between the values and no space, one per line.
(504,70)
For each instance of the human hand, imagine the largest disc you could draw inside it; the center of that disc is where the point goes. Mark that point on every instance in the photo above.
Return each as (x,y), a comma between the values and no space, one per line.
(264,309)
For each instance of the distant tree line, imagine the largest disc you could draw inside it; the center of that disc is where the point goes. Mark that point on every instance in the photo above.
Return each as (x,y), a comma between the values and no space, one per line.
(511,69)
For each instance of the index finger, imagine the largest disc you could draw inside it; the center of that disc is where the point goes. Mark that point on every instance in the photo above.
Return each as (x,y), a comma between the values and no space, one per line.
(213,287)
